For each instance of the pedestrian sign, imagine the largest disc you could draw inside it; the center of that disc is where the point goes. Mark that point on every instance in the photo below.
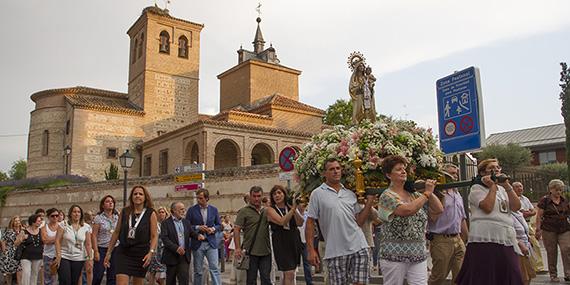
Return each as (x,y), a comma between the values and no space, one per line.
(460,112)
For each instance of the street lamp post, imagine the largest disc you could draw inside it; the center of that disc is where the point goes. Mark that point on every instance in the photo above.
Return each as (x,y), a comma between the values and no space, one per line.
(126,160)
(67,152)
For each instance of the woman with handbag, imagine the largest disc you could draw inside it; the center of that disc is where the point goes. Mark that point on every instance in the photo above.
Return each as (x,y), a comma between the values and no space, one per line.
(32,251)
(49,231)
(9,265)
(553,227)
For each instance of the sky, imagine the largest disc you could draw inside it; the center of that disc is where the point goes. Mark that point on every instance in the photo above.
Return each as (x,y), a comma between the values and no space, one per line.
(517,45)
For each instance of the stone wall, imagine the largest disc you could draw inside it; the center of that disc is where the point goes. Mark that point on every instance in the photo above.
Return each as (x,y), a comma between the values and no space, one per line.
(226,188)
(94,133)
(52,120)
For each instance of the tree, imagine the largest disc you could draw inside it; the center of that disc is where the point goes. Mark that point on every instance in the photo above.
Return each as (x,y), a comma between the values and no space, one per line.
(3,176)
(113,173)
(565,98)
(18,170)
(339,113)
(511,156)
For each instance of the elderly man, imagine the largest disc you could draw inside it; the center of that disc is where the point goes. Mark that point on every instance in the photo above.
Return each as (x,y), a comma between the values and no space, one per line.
(528,211)
(175,233)
(448,234)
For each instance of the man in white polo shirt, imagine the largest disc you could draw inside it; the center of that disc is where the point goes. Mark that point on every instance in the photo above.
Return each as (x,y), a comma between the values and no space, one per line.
(340,217)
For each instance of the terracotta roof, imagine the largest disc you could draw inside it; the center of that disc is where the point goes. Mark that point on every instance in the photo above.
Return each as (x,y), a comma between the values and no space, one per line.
(282,101)
(531,137)
(223,116)
(235,125)
(78,90)
(106,104)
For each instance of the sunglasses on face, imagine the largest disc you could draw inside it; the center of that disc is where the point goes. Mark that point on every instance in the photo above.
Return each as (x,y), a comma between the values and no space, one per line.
(54,216)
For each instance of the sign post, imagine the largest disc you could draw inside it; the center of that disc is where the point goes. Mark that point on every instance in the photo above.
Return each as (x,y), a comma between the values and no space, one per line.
(286,158)
(460,112)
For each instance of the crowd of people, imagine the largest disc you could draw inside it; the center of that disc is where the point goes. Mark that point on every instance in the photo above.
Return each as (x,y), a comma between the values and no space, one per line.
(273,235)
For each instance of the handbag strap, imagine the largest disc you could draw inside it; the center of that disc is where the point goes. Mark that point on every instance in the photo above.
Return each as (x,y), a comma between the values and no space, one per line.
(256,231)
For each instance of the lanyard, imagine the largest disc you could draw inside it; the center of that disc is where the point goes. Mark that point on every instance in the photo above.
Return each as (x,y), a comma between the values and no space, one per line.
(137,220)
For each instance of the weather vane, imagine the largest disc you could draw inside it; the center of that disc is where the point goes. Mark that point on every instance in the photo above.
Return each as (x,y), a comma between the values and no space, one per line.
(166,3)
(258,9)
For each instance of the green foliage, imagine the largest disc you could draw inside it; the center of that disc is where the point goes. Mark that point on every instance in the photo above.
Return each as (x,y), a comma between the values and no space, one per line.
(339,113)
(565,108)
(113,173)
(3,176)
(511,156)
(18,170)
(554,171)
(4,193)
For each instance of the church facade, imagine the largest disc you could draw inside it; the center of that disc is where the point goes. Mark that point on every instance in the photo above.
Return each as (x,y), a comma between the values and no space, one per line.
(82,130)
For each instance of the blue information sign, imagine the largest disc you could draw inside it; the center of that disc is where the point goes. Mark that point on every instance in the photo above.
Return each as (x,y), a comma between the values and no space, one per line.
(460,112)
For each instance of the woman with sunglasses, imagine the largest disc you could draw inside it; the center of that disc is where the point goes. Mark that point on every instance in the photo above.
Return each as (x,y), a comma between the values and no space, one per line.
(49,231)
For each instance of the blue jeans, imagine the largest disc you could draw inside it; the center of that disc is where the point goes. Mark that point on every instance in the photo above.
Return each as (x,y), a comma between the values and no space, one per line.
(306,265)
(99,269)
(211,254)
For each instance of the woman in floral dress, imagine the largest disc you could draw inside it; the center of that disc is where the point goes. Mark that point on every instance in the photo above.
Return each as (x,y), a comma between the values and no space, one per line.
(8,265)
(157,269)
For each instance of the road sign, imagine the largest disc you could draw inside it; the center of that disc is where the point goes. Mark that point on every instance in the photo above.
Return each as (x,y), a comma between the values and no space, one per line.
(189,187)
(284,176)
(460,112)
(286,158)
(189,177)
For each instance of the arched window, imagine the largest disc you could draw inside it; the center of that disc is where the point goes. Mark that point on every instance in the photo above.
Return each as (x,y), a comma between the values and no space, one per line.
(164,42)
(183,47)
(141,45)
(45,143)
(135,46)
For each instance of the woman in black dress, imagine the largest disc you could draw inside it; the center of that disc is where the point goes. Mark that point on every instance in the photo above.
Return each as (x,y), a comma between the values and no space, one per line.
(138,235)
(286,240)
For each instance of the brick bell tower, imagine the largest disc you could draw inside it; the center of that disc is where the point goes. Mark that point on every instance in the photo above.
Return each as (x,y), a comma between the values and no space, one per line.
(164,64)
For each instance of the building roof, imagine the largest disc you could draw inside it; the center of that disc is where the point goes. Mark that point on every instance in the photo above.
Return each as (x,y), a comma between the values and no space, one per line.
(281,101)
(532,137)
(105,104)
(94,99)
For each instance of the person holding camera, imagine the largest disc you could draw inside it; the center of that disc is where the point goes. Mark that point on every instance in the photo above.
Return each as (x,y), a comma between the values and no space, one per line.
(492,248)
(283,220)
(552,225)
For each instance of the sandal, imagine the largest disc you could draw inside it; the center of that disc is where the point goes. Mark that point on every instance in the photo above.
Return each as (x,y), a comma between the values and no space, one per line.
(554,279)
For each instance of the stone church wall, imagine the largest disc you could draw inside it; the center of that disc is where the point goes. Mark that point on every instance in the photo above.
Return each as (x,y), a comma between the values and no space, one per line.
(94,133)
(226,192)
(53,120)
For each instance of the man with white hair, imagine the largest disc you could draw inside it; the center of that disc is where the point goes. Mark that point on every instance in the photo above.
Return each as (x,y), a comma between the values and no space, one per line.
(528,211)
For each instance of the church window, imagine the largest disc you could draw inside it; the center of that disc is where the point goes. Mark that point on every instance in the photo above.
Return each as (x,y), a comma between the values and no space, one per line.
(45,142)
(164,42)
(163,162)
(183,47)
(135,46)
(67,127)
(141,46)
(111,152)
(147,165)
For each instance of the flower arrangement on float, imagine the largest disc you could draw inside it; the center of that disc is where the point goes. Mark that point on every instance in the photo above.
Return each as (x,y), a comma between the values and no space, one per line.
(370,142)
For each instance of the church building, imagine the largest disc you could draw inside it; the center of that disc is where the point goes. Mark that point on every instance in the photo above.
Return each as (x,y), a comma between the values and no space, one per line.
(82,130)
